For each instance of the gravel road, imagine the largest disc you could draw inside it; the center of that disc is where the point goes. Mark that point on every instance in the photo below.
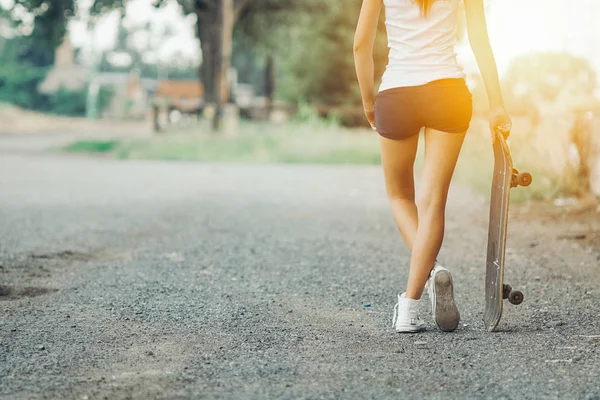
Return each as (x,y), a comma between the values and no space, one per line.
(148,280)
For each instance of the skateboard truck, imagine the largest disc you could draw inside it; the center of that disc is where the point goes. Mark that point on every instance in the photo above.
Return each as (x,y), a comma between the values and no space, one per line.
(517,179)
(520,179)
(514,296)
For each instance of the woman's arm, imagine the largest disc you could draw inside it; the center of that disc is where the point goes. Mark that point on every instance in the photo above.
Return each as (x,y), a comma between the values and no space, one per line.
(480,43)
(364,39)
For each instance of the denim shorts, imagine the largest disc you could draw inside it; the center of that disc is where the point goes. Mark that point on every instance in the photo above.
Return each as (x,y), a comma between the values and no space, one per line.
(445,105)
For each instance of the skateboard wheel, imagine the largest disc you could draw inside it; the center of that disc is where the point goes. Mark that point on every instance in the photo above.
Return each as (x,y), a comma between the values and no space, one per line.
(524,179)
(506,289)
(515,297)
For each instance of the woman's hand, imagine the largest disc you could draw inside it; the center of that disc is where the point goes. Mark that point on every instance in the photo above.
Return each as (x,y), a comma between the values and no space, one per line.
(370,113)
(500,122)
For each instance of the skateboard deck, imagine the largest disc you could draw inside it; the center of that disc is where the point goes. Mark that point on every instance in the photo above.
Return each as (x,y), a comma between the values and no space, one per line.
(505,177)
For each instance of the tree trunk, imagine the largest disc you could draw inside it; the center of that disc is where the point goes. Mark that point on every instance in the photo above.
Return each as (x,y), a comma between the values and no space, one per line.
(210,33)
(270,83)
(228,20)
(581,137)
(155,117)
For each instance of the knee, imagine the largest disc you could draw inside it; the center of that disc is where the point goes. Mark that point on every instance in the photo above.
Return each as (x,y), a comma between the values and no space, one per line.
(400,190)
(431,202)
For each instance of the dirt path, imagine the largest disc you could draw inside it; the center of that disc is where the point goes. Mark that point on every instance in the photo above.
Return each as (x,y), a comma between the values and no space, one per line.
(15,121)
(177,280)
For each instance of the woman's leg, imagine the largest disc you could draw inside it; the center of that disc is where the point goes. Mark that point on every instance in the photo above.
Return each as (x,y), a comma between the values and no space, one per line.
(398,158)
(441,153)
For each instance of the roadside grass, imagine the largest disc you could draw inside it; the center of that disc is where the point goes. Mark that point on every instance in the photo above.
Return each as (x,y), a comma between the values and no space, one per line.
(93,146)
(253,143)
(325,143)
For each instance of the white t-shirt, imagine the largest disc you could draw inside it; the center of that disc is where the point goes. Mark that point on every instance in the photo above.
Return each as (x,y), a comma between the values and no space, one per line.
(421,48)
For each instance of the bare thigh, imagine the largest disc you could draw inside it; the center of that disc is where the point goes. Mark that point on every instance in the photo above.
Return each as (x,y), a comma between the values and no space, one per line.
(398,158)
(441,154)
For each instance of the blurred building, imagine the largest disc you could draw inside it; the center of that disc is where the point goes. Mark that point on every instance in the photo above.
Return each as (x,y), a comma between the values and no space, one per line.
(66,73)
(134,96)
(131,94)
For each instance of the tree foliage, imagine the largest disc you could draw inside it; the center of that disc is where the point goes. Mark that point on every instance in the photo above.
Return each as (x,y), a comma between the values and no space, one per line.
(547,74)
(22,68)
(49,23)
(549,77)
(179,67)
(312,44)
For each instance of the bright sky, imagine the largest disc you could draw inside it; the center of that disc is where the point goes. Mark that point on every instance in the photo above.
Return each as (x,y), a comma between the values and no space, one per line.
(521,26)
(139,12)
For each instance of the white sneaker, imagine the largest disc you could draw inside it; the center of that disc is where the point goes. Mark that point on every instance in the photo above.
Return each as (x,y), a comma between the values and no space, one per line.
(406,317)
(441,293)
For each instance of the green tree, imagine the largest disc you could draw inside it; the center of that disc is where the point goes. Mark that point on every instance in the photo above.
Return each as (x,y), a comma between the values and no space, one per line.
(311,45)
(26,59)
(49,20)
(320,67)
(22,67)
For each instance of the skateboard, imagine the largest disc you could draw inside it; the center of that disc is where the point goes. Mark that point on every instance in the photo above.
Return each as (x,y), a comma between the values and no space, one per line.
(505,178)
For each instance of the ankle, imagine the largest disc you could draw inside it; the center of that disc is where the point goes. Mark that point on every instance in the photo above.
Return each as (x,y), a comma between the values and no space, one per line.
(412,296)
